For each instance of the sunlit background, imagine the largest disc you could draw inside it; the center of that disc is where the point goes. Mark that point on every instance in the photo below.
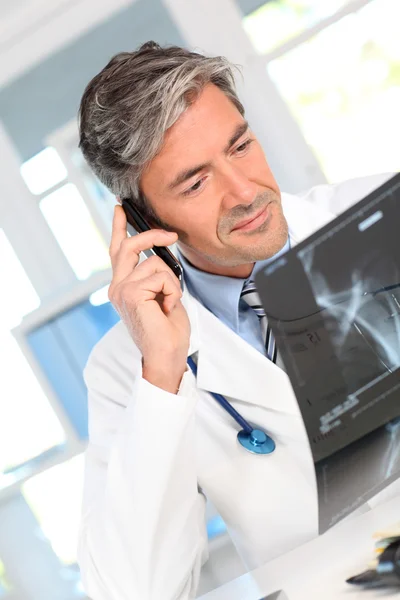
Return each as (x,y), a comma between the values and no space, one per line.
(322,87)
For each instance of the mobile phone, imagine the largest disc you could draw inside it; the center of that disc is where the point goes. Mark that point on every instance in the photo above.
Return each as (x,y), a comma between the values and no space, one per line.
(136,223)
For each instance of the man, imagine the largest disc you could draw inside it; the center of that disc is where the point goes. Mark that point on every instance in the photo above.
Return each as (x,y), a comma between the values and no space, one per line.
(164,126)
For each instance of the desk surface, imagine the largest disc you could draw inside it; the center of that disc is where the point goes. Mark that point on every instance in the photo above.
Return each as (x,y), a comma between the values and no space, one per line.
(318,570)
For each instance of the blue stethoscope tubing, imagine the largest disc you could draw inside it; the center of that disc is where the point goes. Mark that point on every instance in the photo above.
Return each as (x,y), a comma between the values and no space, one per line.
(254,440)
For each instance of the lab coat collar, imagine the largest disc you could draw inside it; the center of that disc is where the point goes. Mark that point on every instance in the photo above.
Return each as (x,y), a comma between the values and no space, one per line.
(303,217)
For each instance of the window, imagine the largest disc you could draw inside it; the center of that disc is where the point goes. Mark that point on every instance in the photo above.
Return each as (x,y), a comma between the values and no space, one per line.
(67,213)
(99,297)
(278,21)
(28,425)
(72,225)
(43,171)
(341,83)
(98,198)
(21,298)
(102,197)
(55,498)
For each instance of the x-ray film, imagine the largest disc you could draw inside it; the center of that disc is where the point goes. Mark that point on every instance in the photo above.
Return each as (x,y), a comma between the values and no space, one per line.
(333,303)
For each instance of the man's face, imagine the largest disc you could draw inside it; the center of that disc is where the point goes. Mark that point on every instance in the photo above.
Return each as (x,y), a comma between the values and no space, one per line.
(212,185)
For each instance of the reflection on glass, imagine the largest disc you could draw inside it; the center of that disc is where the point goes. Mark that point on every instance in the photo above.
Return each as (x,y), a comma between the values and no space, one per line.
(28,425)
(280,20)
(343,87)
(43,171)
(72,225)
(55,498)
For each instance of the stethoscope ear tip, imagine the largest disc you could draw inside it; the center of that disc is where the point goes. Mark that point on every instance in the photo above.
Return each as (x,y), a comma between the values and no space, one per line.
(256,442)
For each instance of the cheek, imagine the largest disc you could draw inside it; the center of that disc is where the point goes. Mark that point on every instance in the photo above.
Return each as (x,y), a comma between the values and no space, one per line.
(202,220)
(198,220)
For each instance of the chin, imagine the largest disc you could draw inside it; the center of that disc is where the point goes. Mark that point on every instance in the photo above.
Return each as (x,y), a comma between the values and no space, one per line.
(268,244)
(256,254)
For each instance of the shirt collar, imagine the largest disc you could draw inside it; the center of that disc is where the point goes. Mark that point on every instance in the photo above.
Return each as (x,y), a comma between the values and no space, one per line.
(218,293)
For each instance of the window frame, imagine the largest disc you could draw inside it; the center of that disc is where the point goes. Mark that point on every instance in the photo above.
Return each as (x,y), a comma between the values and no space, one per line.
(308,33)
(62,140)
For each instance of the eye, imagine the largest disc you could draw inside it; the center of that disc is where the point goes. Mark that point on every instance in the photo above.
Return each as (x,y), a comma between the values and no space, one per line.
(243,147)
(195,187)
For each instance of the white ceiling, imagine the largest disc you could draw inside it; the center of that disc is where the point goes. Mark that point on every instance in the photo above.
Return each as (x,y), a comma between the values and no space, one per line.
(30,30)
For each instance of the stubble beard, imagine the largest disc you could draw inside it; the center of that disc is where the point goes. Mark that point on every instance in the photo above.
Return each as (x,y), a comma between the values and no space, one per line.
(236,255)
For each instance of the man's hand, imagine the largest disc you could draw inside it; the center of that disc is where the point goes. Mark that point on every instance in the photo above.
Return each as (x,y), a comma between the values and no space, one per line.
(147,296)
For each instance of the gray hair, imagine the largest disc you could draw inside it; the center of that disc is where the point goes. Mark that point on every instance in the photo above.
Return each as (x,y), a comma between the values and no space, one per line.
(127,108)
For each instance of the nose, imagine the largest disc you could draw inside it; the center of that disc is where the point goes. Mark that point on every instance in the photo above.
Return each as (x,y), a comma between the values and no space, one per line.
(237,188)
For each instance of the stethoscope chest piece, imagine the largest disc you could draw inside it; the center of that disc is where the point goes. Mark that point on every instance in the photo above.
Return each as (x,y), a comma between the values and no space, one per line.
(256,442)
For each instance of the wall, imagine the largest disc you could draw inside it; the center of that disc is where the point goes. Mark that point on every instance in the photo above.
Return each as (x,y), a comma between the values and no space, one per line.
(48,96)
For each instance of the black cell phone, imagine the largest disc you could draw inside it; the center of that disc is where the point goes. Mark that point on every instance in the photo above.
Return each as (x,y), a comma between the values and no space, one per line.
(138,224)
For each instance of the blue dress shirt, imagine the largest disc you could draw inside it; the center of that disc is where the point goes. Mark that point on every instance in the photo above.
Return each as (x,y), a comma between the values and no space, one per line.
(221,295)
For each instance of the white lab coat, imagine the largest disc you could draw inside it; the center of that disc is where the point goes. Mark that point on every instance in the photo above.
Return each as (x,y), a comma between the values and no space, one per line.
(153,455)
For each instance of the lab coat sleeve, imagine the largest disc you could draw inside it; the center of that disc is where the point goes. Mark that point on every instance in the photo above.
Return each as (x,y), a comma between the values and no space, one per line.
(143,533)
(338,197)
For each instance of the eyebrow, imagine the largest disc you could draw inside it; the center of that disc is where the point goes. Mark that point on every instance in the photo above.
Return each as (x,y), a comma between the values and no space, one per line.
(237,134)
(189,173)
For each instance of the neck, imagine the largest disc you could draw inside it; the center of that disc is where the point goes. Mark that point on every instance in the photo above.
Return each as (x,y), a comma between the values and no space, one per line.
(201,263)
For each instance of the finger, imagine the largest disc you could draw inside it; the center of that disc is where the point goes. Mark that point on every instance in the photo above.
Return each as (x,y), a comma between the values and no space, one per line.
(163,283)
(148,268)
(119,232)
(127,258)
(148,239)
(153,264)
(148,289)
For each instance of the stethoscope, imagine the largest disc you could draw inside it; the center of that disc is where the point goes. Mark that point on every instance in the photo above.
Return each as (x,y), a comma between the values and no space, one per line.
(256,441)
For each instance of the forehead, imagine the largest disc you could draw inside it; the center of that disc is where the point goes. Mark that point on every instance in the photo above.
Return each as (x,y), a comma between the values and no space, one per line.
(205,127)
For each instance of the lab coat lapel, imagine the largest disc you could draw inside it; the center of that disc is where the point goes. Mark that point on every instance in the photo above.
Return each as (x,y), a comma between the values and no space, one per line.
(230,366)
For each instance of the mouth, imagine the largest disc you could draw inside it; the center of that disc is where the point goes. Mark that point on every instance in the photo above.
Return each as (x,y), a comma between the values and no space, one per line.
(253,222)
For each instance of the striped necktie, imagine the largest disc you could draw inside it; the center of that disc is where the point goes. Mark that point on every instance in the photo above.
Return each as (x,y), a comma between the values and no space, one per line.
(250,296)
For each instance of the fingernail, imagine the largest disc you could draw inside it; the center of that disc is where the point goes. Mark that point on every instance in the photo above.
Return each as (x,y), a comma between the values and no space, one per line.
(170,233)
